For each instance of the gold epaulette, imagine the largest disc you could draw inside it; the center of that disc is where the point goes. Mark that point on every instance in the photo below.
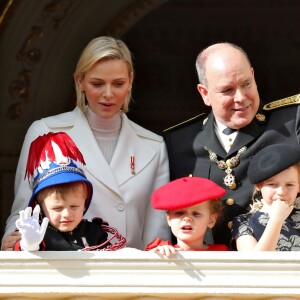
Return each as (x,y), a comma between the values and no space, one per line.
(283,102)
(184,122)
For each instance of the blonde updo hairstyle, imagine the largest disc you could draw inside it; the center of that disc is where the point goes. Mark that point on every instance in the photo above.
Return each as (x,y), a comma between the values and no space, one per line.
(99,49)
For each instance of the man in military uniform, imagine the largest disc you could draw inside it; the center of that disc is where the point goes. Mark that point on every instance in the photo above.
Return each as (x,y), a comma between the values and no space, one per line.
(219,146)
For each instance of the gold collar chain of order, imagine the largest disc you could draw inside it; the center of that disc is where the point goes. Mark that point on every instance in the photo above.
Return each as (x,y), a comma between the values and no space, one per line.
(230,163)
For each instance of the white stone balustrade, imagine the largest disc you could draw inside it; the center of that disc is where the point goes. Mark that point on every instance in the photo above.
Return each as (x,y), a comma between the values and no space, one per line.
(132,274)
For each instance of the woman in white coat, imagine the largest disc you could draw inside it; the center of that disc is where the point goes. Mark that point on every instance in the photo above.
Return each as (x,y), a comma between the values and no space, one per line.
(124,161)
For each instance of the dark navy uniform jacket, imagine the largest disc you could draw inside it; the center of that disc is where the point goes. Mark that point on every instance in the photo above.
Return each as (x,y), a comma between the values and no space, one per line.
(187,154)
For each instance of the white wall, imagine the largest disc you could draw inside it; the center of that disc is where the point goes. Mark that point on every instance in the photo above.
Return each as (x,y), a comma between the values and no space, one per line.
(134,274)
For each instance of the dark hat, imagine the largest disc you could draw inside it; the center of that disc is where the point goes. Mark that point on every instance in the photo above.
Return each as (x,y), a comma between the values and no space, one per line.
(271,160)
(54,159)
(185,192)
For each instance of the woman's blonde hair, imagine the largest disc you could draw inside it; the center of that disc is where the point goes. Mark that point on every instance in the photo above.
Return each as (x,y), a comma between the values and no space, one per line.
(98,49)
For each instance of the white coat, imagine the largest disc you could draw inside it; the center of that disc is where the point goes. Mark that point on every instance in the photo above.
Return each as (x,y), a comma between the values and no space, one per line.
(120,198)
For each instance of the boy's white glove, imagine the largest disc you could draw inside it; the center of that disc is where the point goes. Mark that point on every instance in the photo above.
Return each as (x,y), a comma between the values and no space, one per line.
(31,231)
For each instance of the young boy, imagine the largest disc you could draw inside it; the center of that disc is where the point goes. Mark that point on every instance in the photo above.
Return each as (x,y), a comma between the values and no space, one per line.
(274,221)
(63,194)
(192,205)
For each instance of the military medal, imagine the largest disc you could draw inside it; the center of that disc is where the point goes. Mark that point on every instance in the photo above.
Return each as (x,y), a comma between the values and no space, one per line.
(229,179)
(227,166)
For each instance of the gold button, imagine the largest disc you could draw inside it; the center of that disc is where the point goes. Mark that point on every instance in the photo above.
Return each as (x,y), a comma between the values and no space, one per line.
(229,224)
(230,201)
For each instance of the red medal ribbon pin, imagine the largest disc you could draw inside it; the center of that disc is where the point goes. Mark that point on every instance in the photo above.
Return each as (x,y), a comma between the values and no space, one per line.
(132,165)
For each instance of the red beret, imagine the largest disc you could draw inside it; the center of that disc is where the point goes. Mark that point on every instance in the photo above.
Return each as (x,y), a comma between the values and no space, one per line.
(185,192)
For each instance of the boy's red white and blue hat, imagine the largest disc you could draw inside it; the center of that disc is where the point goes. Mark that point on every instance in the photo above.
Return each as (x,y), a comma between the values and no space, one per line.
(54,159)
(185,192)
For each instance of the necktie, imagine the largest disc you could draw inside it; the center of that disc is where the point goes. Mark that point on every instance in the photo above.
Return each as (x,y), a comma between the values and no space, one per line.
(228,131)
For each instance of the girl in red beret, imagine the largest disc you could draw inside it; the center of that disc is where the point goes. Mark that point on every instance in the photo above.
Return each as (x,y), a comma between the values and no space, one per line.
(273,224)
(192,206)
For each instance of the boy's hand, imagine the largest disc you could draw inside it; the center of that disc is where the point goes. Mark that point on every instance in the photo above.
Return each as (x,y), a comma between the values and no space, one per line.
(31,231)
(165,250)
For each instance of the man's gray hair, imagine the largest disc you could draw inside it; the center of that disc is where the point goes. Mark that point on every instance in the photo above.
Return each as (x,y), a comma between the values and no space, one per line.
(205,53)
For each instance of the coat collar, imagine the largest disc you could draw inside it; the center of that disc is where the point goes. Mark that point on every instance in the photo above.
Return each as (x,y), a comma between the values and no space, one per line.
(129,144)
(246,135)
(208,138)
(130,147)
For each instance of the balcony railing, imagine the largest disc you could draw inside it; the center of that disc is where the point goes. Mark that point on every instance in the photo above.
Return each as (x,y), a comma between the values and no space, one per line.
(132,274)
